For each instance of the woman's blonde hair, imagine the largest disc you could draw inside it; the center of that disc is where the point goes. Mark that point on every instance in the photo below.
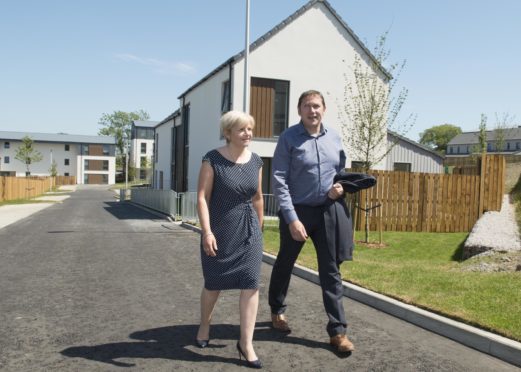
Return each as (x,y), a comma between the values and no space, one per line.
(234,118)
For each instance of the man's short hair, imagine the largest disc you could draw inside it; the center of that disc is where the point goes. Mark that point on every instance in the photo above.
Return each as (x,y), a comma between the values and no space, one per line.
(311,92)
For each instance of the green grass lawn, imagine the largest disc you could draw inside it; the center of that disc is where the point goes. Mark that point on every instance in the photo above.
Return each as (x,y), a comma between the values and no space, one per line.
(23,201)
(423,269)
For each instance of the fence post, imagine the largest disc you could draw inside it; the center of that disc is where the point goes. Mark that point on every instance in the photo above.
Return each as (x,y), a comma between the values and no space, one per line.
(482,183)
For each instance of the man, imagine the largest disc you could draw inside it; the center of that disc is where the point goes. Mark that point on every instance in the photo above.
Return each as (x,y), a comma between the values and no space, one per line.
(307,157)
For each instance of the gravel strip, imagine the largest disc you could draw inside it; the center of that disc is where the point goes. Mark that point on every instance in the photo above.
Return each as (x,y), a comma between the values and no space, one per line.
(496,231)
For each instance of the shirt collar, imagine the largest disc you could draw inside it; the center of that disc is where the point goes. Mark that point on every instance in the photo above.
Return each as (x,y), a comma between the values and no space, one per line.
(302,130)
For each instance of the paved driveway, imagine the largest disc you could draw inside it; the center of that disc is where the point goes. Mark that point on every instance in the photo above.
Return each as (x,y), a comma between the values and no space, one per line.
(95,285)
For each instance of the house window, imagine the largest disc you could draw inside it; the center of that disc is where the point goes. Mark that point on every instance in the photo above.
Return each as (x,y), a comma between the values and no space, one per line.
(143,162)
(402,167)
(106,150)
(6,159)
(269,105)
(489,147)
(145,133)
(155,148)
(86,164)
(508,146)
(143,148)
(105,178)
(105,165)
(66,174)
(67,147)
(451,150)
(225,97)
(85,149)
(66,161)
(7,145)
(518,146)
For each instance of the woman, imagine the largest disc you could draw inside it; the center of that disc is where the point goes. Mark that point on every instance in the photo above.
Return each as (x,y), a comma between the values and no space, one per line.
(230,208)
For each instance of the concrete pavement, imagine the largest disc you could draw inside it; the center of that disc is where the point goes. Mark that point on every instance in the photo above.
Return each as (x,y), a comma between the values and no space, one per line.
(15,212)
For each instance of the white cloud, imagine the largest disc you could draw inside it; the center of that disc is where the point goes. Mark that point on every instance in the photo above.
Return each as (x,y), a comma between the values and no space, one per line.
(162,67)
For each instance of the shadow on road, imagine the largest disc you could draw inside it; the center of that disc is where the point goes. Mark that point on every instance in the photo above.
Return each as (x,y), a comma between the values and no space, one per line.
(177,343)
(127,211)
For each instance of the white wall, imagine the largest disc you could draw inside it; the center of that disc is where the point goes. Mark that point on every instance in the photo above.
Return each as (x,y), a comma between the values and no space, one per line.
(49,151)
(311,52)
(421,160)
(135,153)
(54,152)
(163,161)
(205,113)
(81,172)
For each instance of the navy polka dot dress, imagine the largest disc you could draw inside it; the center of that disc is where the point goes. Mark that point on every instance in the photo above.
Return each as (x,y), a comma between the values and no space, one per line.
(235,225)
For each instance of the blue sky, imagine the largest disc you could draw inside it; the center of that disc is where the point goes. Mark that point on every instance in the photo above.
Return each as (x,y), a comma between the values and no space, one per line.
(65,63)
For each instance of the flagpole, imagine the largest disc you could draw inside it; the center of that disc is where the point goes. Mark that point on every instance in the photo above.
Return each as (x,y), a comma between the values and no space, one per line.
(246,100)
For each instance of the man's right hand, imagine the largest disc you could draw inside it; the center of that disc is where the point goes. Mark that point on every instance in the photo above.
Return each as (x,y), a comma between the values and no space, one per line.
(298,231)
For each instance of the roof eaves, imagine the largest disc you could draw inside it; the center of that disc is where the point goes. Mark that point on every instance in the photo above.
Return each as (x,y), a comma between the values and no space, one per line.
(169,117)
(268,35)
(414,143)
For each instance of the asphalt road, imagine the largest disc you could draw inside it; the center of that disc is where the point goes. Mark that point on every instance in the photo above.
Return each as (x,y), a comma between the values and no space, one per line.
(95,285)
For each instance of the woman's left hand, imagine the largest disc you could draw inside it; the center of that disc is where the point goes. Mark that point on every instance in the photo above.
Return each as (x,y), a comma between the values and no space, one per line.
(210,245)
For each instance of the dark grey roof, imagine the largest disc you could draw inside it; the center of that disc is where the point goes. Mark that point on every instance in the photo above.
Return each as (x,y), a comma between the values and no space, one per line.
(414,143)
(169,117)
(145,123)
(471,138)
(58,137)
(268,35)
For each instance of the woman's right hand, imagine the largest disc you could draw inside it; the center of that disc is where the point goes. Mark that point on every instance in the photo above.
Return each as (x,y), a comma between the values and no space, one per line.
(210,245)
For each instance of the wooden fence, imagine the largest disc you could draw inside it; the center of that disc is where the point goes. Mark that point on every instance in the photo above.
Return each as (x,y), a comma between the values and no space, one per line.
(12,188)
(432,202)
(64,180)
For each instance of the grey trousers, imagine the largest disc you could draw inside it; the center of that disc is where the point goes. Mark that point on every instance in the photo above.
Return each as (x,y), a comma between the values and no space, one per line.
(328,269)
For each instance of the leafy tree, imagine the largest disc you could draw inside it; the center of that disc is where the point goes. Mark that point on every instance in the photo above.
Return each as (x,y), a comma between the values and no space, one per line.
(504,123)
(53,170)
(370,109)
(27,154)
(118,124)
(482,134)
(438,136)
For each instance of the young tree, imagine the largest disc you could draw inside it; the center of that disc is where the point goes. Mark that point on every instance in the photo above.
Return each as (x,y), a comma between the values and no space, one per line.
(438,136)
(27,154)
(118,124)
(53,170)
(370,109)
(482,134)
(503,124)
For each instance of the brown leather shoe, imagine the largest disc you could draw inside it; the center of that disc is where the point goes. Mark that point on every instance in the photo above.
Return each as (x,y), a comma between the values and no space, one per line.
(341,343)
(279,323)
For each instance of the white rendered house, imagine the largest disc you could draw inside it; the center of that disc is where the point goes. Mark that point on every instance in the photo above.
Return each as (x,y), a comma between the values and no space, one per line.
(311,49)
(164,157)
(91,159)
(142,147)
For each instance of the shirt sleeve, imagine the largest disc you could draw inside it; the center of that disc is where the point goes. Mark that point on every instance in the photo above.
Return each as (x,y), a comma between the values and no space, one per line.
(281,169)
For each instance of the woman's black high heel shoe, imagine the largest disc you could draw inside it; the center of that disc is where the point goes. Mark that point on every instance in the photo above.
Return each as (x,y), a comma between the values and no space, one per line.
(202,343)
(253,364)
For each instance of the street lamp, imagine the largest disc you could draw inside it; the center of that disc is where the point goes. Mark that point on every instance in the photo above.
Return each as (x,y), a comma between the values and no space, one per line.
(246,99)
(126,165)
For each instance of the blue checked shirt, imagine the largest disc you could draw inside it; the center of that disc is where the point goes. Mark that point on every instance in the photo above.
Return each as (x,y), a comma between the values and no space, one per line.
(304,167)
